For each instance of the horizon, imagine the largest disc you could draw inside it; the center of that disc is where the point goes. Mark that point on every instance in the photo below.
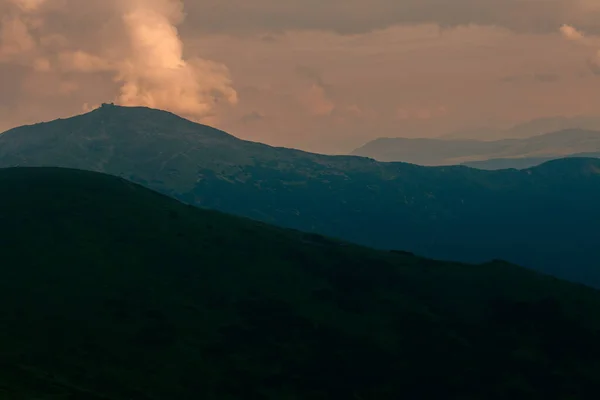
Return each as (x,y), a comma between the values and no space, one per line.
(362,153)
(271,200)
(375,140)
(324,81)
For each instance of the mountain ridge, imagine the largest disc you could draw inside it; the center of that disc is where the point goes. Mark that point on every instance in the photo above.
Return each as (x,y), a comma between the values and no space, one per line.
(537,217)
(530,128)
(522,162)
(140,297)
(439,151)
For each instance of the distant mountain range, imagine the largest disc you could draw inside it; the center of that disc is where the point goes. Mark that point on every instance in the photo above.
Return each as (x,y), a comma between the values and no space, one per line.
(109,291)
(544,217)
(521,163)
(462,151)
(531,128)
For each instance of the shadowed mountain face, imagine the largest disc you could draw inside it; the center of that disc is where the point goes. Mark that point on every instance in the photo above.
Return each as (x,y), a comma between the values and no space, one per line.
(449,152)
(111,291)
(544,218)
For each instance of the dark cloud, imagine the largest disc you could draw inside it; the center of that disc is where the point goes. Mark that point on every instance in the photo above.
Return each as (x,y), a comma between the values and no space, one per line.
(541,77)
(11,77)
(313,76)
(594,65)
(310,73)
(359,16)
(251,117)
(546,77)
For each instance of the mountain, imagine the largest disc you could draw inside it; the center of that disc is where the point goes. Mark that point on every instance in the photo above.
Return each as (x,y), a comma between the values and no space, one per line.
(544,218)
(449,152)
(109,291)
(530,128)
(521,163)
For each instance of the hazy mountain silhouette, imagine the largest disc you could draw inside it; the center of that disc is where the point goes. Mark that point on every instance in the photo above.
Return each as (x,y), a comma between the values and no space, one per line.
(111,291)
(544,218)
(531,128)
(521,163)
(450,152)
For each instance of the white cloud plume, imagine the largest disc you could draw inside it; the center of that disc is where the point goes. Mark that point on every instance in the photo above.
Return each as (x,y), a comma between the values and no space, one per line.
(157,75)
(137,43)
(28,5)
(571,33)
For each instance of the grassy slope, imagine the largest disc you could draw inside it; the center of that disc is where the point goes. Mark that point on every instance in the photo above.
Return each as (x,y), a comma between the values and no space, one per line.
(543,218)
(111,291)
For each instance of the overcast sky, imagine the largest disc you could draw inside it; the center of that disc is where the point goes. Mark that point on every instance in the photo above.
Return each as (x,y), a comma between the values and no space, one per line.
(321,75)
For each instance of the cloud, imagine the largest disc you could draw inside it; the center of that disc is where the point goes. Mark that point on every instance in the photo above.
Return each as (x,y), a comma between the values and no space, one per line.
(135,41)
(593,61)
(546,77)
(538,77)
(421,113)
(316,101)
(59,57)
(157,75)
(310,73)
(79,61)
(28,5)
(360,16)
(15,38)
(571,33)
(317,98)
(251,117)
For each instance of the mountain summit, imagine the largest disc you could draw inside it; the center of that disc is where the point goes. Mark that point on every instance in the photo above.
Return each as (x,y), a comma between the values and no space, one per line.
(139,143)
(544,217)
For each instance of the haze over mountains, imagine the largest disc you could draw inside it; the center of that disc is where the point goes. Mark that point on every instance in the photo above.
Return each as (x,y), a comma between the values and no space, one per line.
(543,218)
(148,254)
(522,162)
(109,291)
(531,128)
(525,152)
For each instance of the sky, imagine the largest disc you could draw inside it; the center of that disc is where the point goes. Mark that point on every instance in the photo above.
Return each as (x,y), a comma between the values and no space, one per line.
(319,75)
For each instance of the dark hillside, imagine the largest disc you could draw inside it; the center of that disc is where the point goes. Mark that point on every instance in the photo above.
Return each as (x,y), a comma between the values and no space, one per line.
(109,291)
(546,218)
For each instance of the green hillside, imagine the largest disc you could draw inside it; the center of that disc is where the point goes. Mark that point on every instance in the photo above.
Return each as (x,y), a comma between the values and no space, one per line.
(545,218)
(109,291)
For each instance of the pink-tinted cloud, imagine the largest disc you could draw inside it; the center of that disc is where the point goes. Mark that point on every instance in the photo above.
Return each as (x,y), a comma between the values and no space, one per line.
(319,75)
(571,33)
(593,61)
(421,113)
(360,16)
(138,45)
